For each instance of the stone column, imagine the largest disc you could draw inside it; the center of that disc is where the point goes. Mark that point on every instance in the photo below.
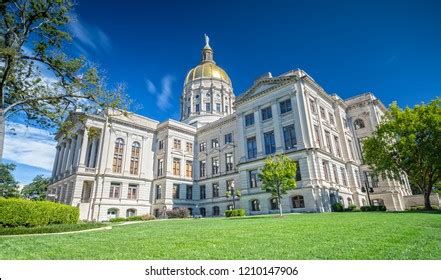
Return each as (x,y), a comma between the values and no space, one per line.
(83,151)
(71,154)
(127,153)
(277,123)
(66,156)
(259,134)
(60,159)
(77,151)
(54,169)
(91,162)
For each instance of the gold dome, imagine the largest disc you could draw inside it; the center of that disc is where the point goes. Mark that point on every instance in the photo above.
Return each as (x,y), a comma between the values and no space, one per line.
(207,70)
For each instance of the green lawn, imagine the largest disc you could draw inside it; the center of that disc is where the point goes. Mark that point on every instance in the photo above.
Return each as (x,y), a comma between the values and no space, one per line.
(305,236)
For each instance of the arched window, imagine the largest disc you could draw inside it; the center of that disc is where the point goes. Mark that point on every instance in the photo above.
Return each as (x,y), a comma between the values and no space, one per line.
(112,213)
(358,124)
(255,205)
(202,211)
(298,201)
(273,203)
(378,202)
(190,211)
(216,211)
(340,199)
(134,160)
(131,213)
(349,201)
(118,155)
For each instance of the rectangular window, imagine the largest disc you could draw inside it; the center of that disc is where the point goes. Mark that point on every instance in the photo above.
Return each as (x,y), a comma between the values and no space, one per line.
(317,135)
(176,167)
(189,192)
(133,192)
(251,148)
(326,169)
(189,168)
(228,138)
(343,176)
(176,189)
(189,147)
(285,106)
(202,168)
(322,112)
(218,107)
(337,146)
(229,162)
(334,168)
(253,178)
(298,174)
(226,108)
(202,146)
(160,167)
(161,144)
(331,118)
(114,190)
(230,185)
(215,189)
(177,144)
(270,143)
(202,192)
(208,107)
(197,108)
(214,165)
(214,143)
(328,141)
(289,135)
(158,192)
(312,106)
(249,119)
(267,113)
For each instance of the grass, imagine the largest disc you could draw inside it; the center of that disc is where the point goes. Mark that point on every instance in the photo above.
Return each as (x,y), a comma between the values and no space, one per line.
(49,229)
(307,236)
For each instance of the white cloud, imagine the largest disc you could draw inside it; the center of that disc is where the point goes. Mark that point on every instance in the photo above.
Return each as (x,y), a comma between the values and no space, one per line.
(29,145)
(164,95)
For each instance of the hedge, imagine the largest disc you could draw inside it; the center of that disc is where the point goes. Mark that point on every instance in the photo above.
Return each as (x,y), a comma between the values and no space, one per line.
(49,228)
(132,218)
(235,213)
(373,208)
(27,213)
(179,213)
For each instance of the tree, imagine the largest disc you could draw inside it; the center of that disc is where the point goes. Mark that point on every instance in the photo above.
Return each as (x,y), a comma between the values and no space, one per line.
(37,189)
(408,142)
(278,176)
(234,193)
(8,185)
(33,39)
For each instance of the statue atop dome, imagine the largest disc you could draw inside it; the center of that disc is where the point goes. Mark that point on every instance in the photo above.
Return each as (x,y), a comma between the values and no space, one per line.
(207,40)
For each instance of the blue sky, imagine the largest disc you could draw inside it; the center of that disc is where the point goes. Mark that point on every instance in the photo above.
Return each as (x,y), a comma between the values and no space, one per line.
(391,48)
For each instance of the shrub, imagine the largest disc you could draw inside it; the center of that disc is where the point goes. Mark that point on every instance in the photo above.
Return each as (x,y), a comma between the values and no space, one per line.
(27,213)
(117,220)
(373,208)
(134,218)
(350,208)
(147,217)
(235,213)
(48,228)
(337,207)
(179,213)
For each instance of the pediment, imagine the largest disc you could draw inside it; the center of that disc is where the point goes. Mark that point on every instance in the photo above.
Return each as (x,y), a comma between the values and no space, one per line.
(261,86)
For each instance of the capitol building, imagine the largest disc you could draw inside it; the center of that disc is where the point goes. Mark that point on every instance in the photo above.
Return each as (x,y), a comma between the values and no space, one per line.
(133,165)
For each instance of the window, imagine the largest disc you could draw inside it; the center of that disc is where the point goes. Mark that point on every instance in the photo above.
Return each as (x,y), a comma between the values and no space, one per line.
(214,143)
(202,146)
(359,124)
(249,119)
(322,112)
(337,146)
(176,190)
(218,107)
(202,193)
(118,155)
(298,201)
(343,176)
(298,174)
(226,108)
(189,147)
(190,210)
(177,144)
(266,113)
(202,168)
(317,135)
(328,141)
(208,107)
(189,168)
(160,167)
(326,169)
(253,178)
(197,108)
(176,166)
(331,118)
(188,111)
(312,106)
(289,135)
(112,213)
(133,192)
(228,138)
(334,168)
(273,204)
(216,211)
(285,106)
(202,211)
(158,192)
(230,186)
(255,205)
(114,190)
(349,201)
(161,144)
(214,165)
(270,143)
(229,161)
(215,189)
(189,192)
(251,147)
(134,160)
(131,213)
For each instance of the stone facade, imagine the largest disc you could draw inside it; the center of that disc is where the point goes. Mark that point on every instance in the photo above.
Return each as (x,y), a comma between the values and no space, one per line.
(133,165)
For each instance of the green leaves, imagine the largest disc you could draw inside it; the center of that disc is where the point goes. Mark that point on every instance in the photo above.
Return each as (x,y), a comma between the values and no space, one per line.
(278,175)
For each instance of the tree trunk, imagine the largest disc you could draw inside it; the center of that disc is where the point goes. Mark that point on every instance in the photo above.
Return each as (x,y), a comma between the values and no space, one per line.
(427,192)
(280,207)
(2,133)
